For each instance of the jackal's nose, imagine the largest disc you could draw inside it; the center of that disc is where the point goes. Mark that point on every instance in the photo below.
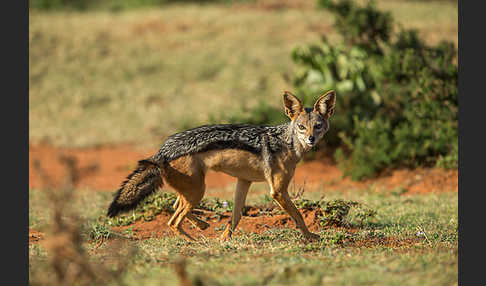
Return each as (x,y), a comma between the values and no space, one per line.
(312,139)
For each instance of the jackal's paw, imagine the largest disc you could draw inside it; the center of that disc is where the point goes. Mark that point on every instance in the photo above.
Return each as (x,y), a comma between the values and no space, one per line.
(226,234)
(312,237)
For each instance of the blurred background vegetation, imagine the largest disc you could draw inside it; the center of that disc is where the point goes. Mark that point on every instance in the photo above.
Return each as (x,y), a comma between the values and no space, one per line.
(116,72)
(114,5)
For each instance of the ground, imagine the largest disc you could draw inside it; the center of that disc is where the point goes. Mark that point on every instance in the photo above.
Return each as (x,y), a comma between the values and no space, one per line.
(412,240)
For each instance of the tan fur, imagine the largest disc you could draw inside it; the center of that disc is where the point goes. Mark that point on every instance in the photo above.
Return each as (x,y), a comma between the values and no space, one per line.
(237,163)
(186,174)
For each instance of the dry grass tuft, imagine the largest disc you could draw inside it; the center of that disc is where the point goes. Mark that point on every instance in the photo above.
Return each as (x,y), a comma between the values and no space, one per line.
(67,261)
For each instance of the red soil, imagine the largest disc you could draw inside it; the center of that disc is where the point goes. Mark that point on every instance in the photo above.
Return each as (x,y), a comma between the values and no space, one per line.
(104,168)
(249,224)
(253,223)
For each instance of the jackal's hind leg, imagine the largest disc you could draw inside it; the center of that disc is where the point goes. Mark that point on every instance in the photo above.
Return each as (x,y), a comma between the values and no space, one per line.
(183,207)
(200,224)
(186,176)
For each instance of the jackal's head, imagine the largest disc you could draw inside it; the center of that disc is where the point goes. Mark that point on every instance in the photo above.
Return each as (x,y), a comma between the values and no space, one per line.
(310,124)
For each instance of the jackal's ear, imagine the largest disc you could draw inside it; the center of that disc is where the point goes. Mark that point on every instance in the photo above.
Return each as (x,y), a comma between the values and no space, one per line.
(293,106)
(325,104)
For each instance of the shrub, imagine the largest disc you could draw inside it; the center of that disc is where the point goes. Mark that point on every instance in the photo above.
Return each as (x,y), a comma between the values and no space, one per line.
(397,96)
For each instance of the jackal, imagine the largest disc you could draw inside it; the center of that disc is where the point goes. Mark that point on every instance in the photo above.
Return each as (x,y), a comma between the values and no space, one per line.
(251,153)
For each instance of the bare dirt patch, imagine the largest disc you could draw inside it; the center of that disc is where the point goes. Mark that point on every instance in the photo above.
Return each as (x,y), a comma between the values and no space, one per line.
(253,223)
(103,168)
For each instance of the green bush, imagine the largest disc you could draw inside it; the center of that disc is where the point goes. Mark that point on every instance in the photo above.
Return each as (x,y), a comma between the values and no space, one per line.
(397,96)
(343,69)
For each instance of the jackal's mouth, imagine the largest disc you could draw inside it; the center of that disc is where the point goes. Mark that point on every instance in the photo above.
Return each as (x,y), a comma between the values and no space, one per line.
(310,144)
(307,144)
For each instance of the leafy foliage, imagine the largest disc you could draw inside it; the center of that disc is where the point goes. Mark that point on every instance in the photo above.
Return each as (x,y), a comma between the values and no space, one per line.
(364,27)
(99,231)
(335,212)
(397,96)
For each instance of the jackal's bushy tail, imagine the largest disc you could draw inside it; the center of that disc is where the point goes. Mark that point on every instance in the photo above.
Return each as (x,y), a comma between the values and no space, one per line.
(145,180)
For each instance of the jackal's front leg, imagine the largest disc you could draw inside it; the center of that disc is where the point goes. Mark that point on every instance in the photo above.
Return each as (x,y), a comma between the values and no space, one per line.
(242,187)
(278,190)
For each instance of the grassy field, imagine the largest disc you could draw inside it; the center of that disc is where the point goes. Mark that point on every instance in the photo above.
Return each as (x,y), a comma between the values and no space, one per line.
(139,75)
(412,240)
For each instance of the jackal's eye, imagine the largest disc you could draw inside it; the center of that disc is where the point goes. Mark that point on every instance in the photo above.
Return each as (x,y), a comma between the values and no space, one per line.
(301,127)
(318,126)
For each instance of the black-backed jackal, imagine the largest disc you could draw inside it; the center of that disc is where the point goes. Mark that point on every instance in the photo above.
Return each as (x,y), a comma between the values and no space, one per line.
(251,153)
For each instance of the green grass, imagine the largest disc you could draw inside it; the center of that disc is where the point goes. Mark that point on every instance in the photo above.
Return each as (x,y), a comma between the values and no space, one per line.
(289,264)
(279,257)
(139,75)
